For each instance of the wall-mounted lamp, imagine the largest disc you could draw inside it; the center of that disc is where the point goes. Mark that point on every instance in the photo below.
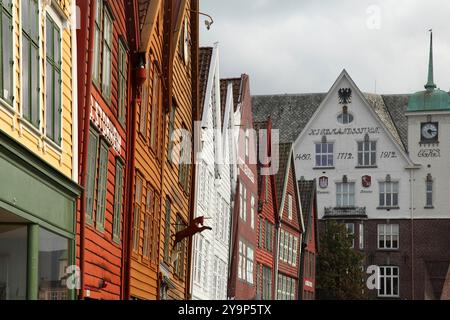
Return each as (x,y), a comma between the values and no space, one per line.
(209,22)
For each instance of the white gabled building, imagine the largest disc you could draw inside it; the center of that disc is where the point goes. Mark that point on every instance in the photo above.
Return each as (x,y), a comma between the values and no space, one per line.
(213,186)
(382,169)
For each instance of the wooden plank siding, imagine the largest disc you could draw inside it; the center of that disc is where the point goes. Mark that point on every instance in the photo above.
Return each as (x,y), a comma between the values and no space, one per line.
(11,121)
(171,188)
(292,226)
(144,272)
(103,256)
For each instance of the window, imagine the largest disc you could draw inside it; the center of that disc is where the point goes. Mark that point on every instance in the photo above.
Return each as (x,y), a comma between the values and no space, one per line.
(91,175)
(388,236)
(247,144)
(345,195)
(6,51)
(345,118)
(181,250)
(294,251)
(137,214)
(155,112)
(97,41)
(252,211)
(184,42)
(361,236)
(389,282)
(324,155)
(143,117)
(53,81)
(367,153)
(171,130)
(185,158)
(118,201)
(30,62)
(286,288)
(167,231)
(102,48)
(388,194)
(267,283)
(202,181)
(149,205)
(243,202)
(250,260)
(350,227)
(123,84)
(242,259)
(429,192)
(282,245)
(289,207)
(155,237)
(268,239)
(260,233)
(101,188)
(288,248)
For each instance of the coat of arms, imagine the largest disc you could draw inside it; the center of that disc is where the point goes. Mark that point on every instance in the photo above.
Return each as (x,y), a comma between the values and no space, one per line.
(366,181)
(323,182)
(345,95)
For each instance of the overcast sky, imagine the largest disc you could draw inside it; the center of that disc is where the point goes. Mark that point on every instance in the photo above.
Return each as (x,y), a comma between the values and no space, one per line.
(296,46)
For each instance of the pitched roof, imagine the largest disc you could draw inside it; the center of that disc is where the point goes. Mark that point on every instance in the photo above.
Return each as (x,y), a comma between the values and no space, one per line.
(292,112)
(259,126)
(204,66)
(307,190)
(284,158)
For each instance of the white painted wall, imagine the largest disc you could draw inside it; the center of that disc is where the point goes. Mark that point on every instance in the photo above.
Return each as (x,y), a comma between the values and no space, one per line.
(438,167)
(326,118)
(213,197)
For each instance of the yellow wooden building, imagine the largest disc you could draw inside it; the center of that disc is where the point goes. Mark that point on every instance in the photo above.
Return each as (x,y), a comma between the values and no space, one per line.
(38,148)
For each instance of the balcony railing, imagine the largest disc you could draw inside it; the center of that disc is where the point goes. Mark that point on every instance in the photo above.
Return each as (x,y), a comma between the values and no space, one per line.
(331,212)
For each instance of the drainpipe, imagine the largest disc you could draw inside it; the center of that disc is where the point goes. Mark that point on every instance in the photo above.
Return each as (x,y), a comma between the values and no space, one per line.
(196,117)
(412,231)
(86,107)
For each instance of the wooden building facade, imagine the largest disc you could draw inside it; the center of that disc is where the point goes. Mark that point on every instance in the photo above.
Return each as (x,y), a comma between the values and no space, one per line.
(104,42)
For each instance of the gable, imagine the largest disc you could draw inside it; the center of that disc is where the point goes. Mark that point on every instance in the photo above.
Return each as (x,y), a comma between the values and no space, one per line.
(368,118)
(292,112)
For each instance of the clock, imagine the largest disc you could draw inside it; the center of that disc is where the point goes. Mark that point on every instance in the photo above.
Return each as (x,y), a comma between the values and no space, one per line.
(430,132)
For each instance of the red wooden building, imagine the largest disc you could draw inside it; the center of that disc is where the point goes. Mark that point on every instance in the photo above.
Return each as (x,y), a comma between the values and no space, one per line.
(241,283)
(267,217)
(287,267)
(104,41)
(310,240)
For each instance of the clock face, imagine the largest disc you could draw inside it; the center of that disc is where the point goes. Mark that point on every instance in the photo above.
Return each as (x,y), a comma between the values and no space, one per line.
(430,131)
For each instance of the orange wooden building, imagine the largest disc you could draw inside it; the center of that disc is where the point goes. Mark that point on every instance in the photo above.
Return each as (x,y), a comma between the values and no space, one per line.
(160,198)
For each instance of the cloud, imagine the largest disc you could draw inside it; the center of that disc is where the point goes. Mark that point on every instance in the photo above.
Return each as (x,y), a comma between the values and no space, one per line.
(294,46)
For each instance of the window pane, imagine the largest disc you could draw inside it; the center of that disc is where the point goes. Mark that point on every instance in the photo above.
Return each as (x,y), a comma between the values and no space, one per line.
(13,262)
(34,86)
(58,108)
(53,261)
(26,107)
(49,38)
(49,112)
(6,46)
(57,47)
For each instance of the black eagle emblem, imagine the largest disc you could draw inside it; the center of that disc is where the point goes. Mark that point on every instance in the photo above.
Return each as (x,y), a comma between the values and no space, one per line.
(345,95)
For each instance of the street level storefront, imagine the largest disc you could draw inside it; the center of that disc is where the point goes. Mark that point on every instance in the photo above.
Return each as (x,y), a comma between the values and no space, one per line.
(37,226)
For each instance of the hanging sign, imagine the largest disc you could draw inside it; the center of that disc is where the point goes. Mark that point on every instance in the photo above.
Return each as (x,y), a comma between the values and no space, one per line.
(105,125)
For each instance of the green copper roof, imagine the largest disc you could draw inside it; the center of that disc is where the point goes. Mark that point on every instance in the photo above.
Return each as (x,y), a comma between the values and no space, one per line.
(431,99)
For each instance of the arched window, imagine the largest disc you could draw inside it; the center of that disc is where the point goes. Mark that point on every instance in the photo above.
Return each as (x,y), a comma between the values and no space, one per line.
(344,117)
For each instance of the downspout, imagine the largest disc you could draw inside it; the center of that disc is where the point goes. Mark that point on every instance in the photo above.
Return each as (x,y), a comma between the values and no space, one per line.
(131,165)
(74,94)
(195,110)
(412,232)
(87,108)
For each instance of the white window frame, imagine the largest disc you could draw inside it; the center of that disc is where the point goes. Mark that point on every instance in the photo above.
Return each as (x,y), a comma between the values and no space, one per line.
(252,211)
(388,230)
(324,157)
(345,194)
(391,195)
(384,278)
(361,236)
(429,188)
(290,209)
(250,264)
(367,151)
(350,228)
